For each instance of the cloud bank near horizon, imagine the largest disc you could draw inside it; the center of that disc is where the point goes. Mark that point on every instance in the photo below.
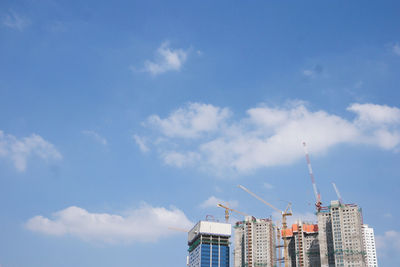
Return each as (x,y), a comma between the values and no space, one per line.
(145,224)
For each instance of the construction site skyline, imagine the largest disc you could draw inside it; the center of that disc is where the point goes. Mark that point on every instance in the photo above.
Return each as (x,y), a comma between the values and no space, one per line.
(121,120)
(338,238)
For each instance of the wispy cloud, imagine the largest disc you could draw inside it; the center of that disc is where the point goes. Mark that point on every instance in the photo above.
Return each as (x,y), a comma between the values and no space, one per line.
(19,150)
(141,142)
(206,137)
(396,49)
(180,159)
(388,215)
(314,71)
(213,201)
(371,114)
(191,121)
(95,136)
(388,244)
(358,84)
(145,224)
(15,21)
(167,59)
(268,186)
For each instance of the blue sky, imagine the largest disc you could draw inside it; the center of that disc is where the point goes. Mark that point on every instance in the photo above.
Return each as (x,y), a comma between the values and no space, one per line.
(120,119)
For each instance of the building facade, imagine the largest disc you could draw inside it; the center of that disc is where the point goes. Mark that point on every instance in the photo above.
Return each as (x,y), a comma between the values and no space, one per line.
(303,245)
(255,243)
(369,246)
(340,235)
(209,244)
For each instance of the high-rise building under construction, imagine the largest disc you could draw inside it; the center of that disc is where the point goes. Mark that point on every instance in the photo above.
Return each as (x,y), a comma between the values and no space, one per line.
(303,245)
(340,235)
(254,243)
(369,246)
(209,244)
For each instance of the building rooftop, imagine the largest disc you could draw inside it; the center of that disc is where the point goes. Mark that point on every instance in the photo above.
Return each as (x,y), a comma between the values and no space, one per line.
(210,228)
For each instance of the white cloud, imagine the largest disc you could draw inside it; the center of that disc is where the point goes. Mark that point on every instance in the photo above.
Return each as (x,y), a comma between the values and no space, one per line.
(213,201)
(396,49)
(380,121)
(191,121)
(145,224)
(141,142)
(179,160)
(19,150)
(167,59)
(201,135)
(268,186)
(15,21)
(388,244)
(372,114)
(259,143)
(97,137)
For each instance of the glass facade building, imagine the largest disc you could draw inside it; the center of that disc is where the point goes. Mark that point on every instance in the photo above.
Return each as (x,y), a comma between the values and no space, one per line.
(209,248)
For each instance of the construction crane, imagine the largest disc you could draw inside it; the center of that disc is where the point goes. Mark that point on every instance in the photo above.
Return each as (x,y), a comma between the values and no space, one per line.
(287,212)
(317,195)
(227,210)
(338,193)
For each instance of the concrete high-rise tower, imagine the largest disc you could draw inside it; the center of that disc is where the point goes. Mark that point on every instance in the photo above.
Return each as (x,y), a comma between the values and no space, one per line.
(254,243)
(369,246)
(340,235)
(209,244)
(303,245)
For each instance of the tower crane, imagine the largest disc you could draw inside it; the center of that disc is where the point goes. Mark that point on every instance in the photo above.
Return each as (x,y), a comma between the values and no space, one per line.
(287,212)
(317,195)
(227,210)
(338,193)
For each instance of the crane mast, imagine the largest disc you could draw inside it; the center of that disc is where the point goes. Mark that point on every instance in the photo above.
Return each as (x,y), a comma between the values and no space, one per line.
(317,195)
(227,209)
(338,193)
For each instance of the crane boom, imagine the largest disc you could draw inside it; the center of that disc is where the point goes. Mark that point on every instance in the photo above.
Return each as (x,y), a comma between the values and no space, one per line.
(227,209)
(287,212)
(316,191)
(259,198)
